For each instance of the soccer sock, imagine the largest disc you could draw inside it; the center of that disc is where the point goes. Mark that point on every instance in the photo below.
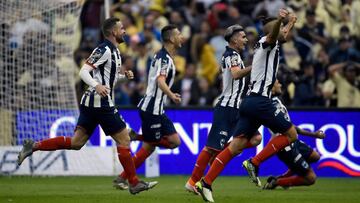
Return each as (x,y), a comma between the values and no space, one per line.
(126,161)
(53,144)
(138,159)
(200,166)
(218,165)
(291,181)
(288,173)
(276,144)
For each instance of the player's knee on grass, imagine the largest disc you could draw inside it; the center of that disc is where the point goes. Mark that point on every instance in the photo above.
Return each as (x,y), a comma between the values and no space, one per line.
(310,178)
(314,157)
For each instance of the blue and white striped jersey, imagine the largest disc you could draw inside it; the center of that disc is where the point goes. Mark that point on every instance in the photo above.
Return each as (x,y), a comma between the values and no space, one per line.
(154,98)
(233,89)
(264,67)
(106,61)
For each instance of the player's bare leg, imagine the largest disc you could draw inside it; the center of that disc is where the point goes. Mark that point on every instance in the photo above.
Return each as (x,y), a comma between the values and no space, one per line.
(75,143)
(123,147)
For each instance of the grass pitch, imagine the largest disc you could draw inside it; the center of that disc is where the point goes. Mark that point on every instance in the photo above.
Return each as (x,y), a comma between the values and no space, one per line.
(171,190)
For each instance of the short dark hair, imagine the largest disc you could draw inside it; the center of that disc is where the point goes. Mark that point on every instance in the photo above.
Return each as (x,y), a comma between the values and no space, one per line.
(108,24)
(231,31)
(166,32)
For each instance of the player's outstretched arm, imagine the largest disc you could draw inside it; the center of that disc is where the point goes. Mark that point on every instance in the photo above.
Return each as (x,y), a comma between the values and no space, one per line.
(318,134)
(176,98)
(273,35)
(238,73)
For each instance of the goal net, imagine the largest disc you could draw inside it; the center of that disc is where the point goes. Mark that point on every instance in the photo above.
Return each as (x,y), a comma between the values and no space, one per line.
(37,71)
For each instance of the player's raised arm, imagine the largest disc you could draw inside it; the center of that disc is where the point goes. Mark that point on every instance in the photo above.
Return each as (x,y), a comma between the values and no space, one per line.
(288,26)
(274,27)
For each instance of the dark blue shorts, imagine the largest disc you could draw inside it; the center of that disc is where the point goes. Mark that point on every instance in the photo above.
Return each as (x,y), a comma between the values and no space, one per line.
(154,127)
(224,123)
(295,156)
(107,117)
(258,110)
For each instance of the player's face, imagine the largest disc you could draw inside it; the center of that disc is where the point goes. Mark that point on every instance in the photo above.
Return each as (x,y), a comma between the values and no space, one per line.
(241,40)
(119,32)
(177,38)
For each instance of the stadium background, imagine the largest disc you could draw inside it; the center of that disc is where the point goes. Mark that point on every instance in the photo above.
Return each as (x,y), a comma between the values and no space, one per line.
(327,35)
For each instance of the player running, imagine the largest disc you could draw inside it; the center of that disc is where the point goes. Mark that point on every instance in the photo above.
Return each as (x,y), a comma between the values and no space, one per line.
(226,116)
(97,106)
(226,110)
(157,128)
(296,156)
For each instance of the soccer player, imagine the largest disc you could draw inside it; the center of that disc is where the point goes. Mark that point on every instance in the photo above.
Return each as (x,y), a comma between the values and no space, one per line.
(157,128)
(226,110)
(296,156)
(97,107)
(257,108)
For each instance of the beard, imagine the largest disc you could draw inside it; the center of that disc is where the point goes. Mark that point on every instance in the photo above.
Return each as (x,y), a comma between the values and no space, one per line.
(119,39)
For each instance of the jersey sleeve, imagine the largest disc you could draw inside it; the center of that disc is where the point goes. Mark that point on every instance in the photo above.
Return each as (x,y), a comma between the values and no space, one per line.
(162,66)
(235,61)
(99,56)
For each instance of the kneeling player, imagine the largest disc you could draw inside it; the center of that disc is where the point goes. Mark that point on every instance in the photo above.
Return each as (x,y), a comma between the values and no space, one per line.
(296,156)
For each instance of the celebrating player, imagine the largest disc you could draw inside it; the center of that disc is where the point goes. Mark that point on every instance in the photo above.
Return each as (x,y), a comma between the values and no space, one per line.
(157,128)
(226,116)
(97,107)
(296,156)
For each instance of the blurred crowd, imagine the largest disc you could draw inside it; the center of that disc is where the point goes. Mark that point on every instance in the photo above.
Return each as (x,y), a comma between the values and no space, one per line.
(319,65)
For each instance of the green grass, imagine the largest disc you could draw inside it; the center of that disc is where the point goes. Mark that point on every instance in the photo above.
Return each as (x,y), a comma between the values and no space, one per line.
(170,190)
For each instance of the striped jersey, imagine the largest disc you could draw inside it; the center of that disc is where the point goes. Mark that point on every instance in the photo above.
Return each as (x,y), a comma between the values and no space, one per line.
(106,61)
(264,67)
(233,89)
(154,98)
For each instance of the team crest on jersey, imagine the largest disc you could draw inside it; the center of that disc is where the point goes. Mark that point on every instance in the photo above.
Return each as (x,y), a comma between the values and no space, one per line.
(164,67)
(234,61)
(95,56)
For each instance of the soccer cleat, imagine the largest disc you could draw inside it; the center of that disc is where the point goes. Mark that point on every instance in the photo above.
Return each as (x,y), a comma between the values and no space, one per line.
(191,188)
(120,183)
(270,183)
(252,171)
(205,190)
(142,186)
(25,151)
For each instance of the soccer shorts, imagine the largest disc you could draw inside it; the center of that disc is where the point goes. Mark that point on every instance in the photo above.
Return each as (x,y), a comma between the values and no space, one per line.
(258,110)
(294,156)
(224,122)
(154,127)
(108,118)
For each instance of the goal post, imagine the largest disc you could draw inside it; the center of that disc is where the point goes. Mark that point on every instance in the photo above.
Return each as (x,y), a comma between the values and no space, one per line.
(37,70)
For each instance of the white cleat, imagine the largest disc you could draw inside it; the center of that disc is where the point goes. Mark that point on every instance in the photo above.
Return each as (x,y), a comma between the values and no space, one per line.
(25,151)
(190,188)
(205,191)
